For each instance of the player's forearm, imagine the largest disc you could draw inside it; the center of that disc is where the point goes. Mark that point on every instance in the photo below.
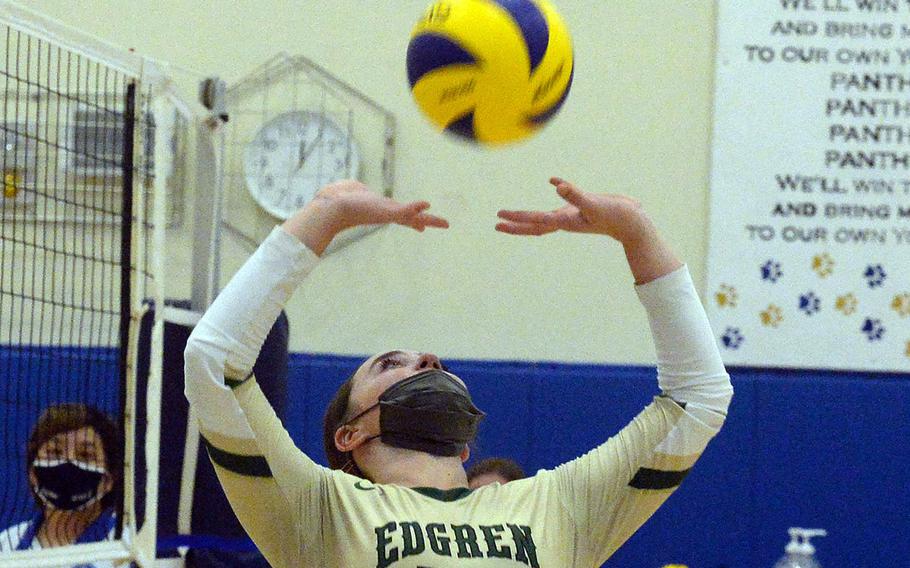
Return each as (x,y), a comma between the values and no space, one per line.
(315,225)
(648,255)
(243,313)
(689,365)
(231,333)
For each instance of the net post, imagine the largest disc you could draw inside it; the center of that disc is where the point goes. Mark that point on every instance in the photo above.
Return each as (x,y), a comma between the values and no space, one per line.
(126,273)
(206,236)
(210,146)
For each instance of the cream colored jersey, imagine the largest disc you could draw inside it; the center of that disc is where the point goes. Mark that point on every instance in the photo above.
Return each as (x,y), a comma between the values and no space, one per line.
(302,514)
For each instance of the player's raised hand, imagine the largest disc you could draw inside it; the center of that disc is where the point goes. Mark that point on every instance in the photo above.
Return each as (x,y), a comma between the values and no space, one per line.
(617,216)
(352,203)
(348,203)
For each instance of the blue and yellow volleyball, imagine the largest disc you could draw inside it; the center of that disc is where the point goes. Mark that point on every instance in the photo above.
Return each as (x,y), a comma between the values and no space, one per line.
(491,71)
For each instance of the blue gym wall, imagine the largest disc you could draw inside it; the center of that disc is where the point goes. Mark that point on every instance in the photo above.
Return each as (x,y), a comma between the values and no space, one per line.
(799,448)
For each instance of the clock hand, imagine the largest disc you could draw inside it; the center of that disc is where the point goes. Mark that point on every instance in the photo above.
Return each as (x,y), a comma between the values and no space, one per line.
(305,149)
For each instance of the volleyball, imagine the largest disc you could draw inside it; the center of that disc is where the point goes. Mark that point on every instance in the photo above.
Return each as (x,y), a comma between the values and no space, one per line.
(490,71)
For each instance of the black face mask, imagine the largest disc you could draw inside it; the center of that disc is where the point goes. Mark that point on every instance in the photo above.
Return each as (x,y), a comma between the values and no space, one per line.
(67,485)
(429,412)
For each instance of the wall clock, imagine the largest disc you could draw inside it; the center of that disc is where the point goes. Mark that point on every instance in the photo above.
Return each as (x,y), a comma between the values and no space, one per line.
(293,155)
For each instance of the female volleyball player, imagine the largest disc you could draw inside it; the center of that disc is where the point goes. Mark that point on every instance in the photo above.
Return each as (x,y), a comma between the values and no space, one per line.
(402,423)
(73,464)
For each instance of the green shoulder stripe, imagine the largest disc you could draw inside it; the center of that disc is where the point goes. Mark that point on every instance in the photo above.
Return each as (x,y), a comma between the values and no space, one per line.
(250,466)
(646,478)
(234,383)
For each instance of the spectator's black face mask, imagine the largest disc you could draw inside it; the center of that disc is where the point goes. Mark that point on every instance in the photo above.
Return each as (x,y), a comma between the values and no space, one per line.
(429,412)
(67,485)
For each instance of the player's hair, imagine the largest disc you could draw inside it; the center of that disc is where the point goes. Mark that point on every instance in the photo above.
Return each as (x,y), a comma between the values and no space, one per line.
(67,417)
(336,414)
(508,469)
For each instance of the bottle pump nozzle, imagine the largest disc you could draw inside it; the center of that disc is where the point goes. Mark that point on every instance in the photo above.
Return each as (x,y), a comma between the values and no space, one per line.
(799,540)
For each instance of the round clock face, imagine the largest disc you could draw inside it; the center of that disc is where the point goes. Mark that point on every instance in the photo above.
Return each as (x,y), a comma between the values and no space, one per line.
(295,154)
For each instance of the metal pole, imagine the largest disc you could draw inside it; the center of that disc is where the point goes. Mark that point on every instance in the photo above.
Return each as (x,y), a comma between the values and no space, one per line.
(210,151)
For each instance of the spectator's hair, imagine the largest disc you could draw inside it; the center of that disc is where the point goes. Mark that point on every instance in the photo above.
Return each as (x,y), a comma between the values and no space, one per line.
(508,469)
(336,414)
(67,417)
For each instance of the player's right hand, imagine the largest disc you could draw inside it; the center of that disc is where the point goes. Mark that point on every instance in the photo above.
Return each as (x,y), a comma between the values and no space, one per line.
(345,204)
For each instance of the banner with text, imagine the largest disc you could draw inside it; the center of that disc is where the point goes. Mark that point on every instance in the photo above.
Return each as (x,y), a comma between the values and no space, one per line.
(809,255)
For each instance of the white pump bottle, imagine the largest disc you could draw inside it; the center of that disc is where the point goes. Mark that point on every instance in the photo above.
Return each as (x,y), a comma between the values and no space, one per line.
(799,552)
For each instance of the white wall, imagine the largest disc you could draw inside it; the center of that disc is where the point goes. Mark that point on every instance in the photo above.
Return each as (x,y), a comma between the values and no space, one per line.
(637,122)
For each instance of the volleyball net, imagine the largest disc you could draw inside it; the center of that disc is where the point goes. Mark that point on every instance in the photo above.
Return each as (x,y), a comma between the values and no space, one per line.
(91,164)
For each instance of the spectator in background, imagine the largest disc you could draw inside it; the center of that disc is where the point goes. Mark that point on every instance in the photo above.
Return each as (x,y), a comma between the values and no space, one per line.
(494,470)
(74,467)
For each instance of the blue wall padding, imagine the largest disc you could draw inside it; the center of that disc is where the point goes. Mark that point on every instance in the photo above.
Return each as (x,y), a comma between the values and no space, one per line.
(804,448)
(799,448)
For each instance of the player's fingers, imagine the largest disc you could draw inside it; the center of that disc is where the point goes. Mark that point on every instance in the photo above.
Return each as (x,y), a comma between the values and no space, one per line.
(412,214)
(428,220)
(422,221)
(526,229)
(572,195)
(526,216)
(415,207)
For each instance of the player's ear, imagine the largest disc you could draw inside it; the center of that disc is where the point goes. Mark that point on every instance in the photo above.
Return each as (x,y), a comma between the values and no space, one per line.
(349,437)
(465,453)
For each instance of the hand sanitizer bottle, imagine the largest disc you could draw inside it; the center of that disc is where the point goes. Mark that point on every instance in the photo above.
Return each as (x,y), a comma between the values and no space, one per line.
(799,552)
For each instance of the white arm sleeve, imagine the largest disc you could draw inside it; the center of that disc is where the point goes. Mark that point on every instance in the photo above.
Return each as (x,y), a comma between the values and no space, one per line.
(233,329)
(689,367)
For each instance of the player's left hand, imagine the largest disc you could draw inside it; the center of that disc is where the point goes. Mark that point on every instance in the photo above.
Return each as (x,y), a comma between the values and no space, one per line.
(617,216)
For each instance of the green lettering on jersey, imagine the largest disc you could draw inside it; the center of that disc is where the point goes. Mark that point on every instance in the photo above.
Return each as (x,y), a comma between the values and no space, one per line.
(491,535)
(466,540)
(439,542)
(412,534)
(465,536)
(525,550)
(385,558)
